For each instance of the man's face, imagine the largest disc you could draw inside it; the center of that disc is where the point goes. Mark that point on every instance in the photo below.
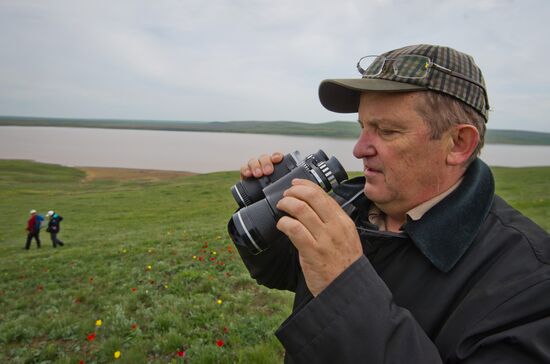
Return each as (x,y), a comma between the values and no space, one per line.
(403,166)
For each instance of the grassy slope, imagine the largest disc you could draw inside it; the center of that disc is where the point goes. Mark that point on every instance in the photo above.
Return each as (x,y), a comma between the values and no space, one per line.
(113,231)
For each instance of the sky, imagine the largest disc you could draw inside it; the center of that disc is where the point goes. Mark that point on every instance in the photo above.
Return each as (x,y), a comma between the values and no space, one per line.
(226,60)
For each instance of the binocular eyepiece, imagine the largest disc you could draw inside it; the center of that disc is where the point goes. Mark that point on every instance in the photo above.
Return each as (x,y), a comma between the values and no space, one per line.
(254,225)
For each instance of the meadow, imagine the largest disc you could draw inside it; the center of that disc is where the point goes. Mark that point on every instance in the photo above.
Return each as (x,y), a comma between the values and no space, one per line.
(148,273)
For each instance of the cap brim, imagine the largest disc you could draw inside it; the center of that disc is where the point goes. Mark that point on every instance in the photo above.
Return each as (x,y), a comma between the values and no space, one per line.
(342,95)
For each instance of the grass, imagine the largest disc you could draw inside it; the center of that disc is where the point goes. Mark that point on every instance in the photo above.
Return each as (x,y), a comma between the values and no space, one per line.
(152,260)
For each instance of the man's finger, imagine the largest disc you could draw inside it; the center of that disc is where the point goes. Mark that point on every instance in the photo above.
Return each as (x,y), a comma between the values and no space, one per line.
(302,212)
(296,232)
(321,203)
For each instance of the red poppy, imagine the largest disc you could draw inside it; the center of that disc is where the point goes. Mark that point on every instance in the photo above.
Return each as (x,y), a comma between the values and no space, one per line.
(40,288)
(212,259)
(91,337)
(77,301)
(225,330)
(81,362)
(134,289)
(181,353)
(201,259)
(219,343)
(134,326)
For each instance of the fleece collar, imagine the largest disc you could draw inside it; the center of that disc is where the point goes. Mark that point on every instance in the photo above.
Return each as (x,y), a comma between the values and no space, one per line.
(446,230)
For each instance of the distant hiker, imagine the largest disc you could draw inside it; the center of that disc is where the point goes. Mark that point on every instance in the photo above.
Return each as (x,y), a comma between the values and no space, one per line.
(33,228)
(54,227)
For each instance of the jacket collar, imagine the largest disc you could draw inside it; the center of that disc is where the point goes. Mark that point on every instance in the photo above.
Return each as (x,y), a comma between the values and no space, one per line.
(446,231)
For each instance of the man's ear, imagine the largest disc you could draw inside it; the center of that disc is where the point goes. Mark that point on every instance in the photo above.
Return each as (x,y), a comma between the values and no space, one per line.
(465,139)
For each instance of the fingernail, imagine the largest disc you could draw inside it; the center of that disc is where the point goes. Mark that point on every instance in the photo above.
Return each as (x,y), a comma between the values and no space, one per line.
(268,169)
(257,172)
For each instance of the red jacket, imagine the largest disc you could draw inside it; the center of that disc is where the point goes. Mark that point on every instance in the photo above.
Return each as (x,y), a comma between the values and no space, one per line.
(31,223)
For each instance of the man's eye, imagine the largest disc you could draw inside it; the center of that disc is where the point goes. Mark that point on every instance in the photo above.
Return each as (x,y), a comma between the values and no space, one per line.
(387,132)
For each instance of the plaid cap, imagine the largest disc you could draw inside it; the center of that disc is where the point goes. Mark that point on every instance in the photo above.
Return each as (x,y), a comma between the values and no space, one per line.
(342,95)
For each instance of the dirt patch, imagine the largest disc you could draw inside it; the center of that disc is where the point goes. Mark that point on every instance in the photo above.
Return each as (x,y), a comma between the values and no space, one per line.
(123,174)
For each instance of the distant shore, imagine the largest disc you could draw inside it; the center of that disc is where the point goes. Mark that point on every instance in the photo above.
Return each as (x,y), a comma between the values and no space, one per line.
(334,129)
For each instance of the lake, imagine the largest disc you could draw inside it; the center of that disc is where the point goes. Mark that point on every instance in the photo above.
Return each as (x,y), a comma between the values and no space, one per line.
(199,152)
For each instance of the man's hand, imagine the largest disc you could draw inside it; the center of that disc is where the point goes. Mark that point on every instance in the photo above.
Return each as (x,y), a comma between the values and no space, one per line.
(323,233)
(258,167)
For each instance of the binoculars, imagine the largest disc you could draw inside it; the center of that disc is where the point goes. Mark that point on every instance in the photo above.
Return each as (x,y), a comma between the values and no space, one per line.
(253,226)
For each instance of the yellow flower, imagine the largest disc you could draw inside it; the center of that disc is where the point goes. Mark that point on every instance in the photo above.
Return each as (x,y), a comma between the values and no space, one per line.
(194,257)
(117,354)
(149,267)
(124,251)
(220,302)
(214,253)
(98,323)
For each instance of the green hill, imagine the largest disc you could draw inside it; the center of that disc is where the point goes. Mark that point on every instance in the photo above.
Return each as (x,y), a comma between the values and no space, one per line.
(334,129)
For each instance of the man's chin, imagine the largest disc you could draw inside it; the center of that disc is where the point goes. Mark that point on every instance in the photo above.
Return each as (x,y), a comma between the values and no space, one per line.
(374,194)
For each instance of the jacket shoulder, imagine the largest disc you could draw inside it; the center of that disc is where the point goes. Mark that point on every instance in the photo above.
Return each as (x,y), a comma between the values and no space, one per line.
(514,223)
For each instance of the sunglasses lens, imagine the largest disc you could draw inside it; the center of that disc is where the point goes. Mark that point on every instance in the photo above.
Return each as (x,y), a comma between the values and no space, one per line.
(411,66)
(371,65)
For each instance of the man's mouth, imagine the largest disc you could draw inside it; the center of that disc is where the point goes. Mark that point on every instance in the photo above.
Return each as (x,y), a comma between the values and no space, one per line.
(369,171)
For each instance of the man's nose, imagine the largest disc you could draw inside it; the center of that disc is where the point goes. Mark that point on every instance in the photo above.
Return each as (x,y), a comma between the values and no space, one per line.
(364,147)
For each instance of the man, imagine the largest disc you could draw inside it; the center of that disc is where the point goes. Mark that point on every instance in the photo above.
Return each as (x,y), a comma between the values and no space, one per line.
(54,227)
(33,229)
(431,266)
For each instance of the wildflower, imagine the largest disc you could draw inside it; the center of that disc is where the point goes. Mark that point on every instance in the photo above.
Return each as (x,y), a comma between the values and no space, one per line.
(181,353)
(124,251)
(134,326)
(194,257)
(150,251)
(214,253)
(225,330)
(117,354)
(91,279)
(134,289)
(91,337)
(98,323)
(220,343)
(149,267)
(81,362)
(219,302)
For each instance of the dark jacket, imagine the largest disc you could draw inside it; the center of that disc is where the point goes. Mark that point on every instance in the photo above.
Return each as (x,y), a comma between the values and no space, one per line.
(54,225)
(467,283)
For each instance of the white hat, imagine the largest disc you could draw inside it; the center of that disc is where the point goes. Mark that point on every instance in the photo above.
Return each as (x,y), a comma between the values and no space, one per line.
(33,212)
(50,213)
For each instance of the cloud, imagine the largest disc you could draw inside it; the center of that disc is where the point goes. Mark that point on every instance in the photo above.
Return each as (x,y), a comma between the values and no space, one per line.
(241,60)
